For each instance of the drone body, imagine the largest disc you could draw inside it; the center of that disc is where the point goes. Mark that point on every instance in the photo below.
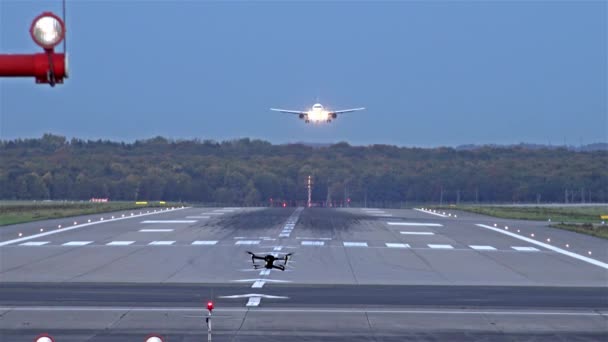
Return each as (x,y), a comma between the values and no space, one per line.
(269,260)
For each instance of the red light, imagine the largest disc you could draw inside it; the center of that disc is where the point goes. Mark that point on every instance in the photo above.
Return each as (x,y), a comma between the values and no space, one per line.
(210,306)
(284,205)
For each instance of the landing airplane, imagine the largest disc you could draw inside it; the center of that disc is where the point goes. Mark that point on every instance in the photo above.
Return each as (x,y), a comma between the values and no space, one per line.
(269,260)
(317,113)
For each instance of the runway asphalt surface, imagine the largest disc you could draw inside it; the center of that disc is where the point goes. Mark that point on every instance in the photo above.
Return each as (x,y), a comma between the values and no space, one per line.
(355,275)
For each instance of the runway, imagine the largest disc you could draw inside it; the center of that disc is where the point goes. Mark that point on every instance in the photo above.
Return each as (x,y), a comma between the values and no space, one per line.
(356,274)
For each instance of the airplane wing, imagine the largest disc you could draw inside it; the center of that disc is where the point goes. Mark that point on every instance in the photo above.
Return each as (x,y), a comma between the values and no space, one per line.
(297,112)
(346,110)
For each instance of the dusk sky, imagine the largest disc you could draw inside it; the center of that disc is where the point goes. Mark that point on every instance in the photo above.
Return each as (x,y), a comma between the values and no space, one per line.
(430,73)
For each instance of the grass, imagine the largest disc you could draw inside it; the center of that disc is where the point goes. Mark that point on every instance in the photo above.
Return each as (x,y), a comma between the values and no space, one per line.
(585,220)
(556,214)
(600,231)
(13,212)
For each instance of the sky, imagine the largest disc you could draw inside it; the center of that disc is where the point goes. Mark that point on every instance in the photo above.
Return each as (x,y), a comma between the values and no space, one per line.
(430,73)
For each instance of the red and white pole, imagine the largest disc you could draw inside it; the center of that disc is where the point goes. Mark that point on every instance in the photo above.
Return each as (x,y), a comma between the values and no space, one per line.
(47,30)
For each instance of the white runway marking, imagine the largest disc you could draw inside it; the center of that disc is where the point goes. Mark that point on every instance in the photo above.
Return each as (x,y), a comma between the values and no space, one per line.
(283,235)
(77,243)
(61,230)
(430,212)
(34,243)
(313,238)
(355,244)
(258,284)
(169,221)
(198,217)
(264,272)
(414,224)
(483,248)
(550,247)
(253,301)
(247,242)
(161,243)
(440,246)
(417,233)
(204,242)
(120,243)
(525,249)
(327,310)
(155,230)
(397,245)
(382,215)
(313,243)
(215,213)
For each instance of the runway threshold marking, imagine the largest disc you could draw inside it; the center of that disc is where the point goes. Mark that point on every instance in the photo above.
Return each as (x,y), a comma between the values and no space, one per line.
(247,242)
(440,246)
(414,224)
(120,243)
(34,243)
(77,243)
(525,249)
(354,244)
(61,230)
(417,233)
(397,245)
(482,248)
(550,247)
(161,243)
(204,242)
(313,243)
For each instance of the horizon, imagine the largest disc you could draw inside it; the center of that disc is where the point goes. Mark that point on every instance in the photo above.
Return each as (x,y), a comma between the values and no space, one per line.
(602,145)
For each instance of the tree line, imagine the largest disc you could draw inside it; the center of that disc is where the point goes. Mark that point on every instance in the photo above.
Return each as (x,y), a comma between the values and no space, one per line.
(254,172)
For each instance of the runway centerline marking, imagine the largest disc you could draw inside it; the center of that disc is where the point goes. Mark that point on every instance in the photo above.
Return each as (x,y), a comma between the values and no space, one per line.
(61,230)
(550,247)
(258,284)
(414,224)
(155,230)
(77,243)
(168,221)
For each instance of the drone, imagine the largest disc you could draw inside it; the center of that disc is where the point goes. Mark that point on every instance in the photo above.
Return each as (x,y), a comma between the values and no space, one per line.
(269,260)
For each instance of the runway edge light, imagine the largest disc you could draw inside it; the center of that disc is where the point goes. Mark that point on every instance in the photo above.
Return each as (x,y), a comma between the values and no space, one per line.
(210,306)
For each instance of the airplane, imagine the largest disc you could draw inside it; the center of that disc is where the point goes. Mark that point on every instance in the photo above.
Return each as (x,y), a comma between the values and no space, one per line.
(269,260)
(317,113)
